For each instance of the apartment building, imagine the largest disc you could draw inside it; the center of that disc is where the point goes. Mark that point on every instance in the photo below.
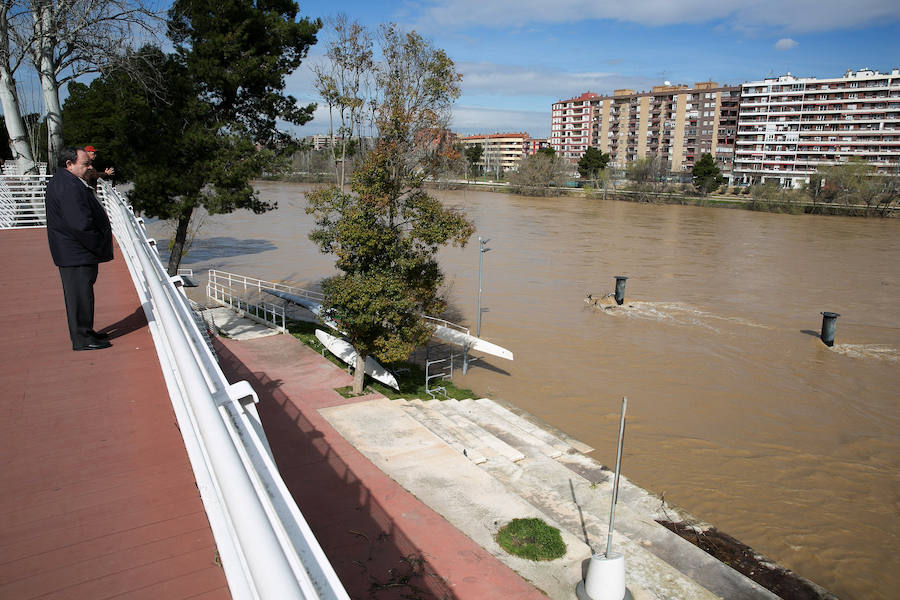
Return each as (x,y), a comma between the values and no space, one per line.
(676,122)
(788,126)
(502,151)
(571,130)
(532,145)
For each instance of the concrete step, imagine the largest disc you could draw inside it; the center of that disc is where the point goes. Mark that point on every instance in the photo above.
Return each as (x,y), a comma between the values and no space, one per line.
(490,444)
(238,326)
(474,500)
(534,429)
(582,506)
(510,433)
(453,435)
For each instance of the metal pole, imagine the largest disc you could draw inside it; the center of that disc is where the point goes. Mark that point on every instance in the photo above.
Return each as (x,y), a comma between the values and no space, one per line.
(615,496)
(481,250)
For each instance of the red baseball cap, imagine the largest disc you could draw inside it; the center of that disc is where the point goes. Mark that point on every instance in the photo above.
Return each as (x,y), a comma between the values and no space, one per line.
(90,149)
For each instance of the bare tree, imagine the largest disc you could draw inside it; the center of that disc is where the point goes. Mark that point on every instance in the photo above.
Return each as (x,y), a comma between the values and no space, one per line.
(12,56)
(540,175)
(343,84)
(69,38)
(647,174)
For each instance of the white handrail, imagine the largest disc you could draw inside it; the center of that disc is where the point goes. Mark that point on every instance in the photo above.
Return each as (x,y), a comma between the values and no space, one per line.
(266,547)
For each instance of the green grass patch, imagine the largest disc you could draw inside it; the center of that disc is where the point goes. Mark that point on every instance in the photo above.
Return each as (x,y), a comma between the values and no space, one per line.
(532,539)
(410,377)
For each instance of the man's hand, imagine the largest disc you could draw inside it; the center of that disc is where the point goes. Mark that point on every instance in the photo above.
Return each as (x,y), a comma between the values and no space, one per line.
(109,171)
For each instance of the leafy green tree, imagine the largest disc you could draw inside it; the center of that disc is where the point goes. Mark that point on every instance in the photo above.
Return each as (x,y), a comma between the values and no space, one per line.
(385,234)
(473,155)
(194,142)
(547,151)
(592,163)
(238,54)
(168,144)
(706,175)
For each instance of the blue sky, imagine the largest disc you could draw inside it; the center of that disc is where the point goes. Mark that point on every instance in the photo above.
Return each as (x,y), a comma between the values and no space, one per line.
(517,57)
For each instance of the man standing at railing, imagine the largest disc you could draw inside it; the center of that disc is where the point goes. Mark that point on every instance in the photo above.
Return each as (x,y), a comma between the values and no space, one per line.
(80,238)
(93,175)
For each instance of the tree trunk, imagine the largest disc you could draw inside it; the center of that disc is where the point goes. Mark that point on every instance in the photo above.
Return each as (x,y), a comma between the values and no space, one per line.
(343,162)
(9,100)
(15,125)
(178,244)
(50,89)
(43,59)
(359,374)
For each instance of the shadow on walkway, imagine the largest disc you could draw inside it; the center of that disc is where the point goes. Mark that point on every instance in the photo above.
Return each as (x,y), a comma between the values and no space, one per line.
(372,557)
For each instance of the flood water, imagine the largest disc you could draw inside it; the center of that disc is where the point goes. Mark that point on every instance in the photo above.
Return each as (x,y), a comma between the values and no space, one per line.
(737,411)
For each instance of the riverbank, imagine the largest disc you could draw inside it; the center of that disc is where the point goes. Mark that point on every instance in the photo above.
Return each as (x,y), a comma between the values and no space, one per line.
(739,198)
(365,423)
(737,412)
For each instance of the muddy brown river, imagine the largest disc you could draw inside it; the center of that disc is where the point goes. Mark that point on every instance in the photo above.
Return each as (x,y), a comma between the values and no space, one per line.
(737,411)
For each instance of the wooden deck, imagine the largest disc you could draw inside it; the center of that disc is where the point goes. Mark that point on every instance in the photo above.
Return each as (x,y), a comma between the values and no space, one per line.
(97,497)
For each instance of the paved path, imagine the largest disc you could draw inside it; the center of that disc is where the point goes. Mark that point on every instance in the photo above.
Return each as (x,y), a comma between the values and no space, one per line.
(382,541)
(97,497)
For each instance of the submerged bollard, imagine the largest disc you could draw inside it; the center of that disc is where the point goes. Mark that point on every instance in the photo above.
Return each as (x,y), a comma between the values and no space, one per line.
(620,289)
(828,323)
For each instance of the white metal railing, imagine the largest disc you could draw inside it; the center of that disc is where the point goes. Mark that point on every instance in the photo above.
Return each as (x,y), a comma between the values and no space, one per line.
(22,201)
(434,322)
(243,293)
(12,167)
(266,547)
(223,279)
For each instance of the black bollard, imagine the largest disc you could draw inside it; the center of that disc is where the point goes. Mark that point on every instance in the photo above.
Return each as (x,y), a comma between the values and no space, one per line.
(620,289)
(828,322)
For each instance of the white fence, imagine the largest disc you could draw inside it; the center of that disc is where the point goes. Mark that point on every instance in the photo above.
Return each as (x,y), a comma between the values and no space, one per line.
(244,295)
(231,281)
(22,201)
(266,547)
(11,167)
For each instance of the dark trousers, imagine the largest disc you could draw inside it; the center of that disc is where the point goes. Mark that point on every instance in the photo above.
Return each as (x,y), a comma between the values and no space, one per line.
(78,290)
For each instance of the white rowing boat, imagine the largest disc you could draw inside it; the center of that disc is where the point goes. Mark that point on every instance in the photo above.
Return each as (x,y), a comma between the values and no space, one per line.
(448,334)
(310,305)
(470,342)
(344,351)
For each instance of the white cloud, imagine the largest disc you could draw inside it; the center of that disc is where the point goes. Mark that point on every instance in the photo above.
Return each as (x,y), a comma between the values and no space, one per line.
(785,44)
(754,15)
(470,120)
(513,80)
(513,87)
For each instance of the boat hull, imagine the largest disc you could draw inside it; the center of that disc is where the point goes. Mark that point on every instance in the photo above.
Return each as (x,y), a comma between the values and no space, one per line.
(344,351)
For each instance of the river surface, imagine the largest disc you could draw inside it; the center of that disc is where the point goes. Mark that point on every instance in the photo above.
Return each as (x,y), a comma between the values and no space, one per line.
(737,412)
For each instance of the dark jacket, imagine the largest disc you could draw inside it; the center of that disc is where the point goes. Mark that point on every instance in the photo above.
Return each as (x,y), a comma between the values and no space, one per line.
(78,229)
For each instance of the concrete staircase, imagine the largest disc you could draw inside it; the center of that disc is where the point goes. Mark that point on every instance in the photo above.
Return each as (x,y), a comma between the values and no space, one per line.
(551,472)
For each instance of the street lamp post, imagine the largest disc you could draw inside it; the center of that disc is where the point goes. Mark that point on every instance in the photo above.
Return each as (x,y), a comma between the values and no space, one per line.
(481,241)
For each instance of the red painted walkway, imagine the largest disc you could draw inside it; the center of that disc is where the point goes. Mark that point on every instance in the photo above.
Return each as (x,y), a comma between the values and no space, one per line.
(97,498)
(382,542)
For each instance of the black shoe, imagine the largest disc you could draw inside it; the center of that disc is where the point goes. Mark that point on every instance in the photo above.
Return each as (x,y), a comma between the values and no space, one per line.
(95,345)
(99,336)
